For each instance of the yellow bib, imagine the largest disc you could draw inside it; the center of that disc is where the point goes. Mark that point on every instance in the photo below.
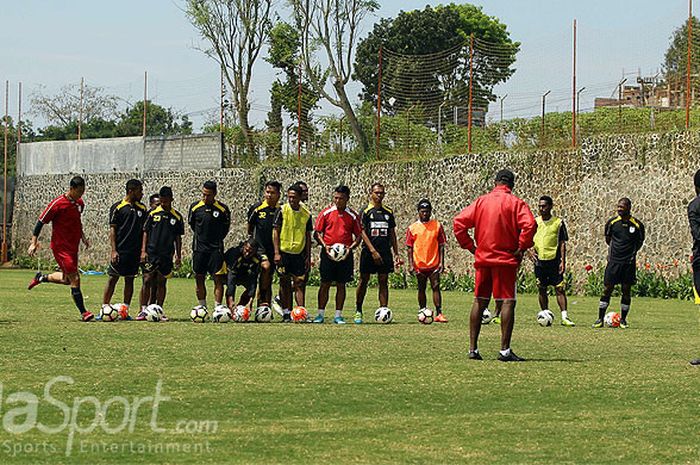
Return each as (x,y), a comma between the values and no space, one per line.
(547,238)
(293,232)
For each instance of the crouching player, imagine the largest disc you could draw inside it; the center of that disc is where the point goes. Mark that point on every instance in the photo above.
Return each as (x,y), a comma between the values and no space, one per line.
(244,263)
(162,238)
(426,240)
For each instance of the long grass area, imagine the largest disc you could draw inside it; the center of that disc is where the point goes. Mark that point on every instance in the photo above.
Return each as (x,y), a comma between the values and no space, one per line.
(371,393)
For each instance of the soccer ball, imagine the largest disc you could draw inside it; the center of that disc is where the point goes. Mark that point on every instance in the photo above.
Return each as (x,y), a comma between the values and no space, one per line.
(222,314)
(299,314)
(425,316)
(545,318)
(109,312)
(612,320)
(122,310)
(486,316)
(199,314)
(154,313)
(263,314)
(338,252)
(383,315)
(241,314)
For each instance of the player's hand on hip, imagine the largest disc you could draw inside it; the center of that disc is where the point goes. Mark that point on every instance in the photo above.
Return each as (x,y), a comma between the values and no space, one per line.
(115,257)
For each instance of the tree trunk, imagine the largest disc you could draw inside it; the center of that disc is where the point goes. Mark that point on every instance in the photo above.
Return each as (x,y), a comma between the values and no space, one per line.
(360,136)
(245,126)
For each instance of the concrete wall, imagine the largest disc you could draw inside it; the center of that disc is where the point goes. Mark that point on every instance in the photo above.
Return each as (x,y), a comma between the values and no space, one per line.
(655,171)
(120,155)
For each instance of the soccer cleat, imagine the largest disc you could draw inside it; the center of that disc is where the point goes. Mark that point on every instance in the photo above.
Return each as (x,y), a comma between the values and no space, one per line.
(277,305)
(440,318)
(624,324)
(695,362)
(598,323)
(34,282)
(319,319)
(567,322)
(141,316)
(164,318)
(475,356)
(339,320)
(358,318)
(496,320)
(287,318)
(511,357)
(88,316)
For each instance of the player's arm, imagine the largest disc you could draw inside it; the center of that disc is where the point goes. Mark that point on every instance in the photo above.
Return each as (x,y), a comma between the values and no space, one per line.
(409,248)
(318,233)
(562,252)
(307,245)
(276,237)
(357,232)
(178,251)
(641,237)
(395,245)
(249,223)
(527,226)
(461,225)
(144,242)
(442,241)
(34,245)
(114,257)
(608,232)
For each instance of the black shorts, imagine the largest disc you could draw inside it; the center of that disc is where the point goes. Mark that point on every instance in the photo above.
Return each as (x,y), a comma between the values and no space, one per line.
(620,273)
(208,262)
(367,265)
(249,283)
(127,266)
(336,272)
(162,264)
(547,273)
(292,265)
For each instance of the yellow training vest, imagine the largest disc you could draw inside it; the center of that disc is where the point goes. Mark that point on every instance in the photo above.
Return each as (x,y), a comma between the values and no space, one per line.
(293,232)
(547,237)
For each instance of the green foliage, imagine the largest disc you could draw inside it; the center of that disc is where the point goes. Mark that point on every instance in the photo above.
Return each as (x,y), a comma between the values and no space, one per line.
(160,121)
(675,59)
(28,135)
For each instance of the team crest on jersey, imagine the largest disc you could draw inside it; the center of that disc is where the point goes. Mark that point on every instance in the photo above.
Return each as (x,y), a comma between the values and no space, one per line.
(632,229)
(172,221)
(139,212)
(216,214)
(386,217)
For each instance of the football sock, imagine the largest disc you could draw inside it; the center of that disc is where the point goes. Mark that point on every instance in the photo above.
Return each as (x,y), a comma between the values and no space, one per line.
(438,310)
(285,311)
(322,311)
(78,299)
(564,314)
(505,353)
(603,306)
(338,313)
(203,302)
(43,278)
(624,309)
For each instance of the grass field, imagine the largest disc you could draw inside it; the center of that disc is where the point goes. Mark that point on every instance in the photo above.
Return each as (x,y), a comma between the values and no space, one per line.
(399,393)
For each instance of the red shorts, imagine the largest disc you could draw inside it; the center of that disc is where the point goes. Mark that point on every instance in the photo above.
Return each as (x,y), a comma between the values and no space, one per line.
(67,260)
(497,280)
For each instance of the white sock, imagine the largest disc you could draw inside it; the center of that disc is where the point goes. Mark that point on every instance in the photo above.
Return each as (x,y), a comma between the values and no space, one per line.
(475,351)
(322,311)
(285,311)
(564,315)
(506,352)
(338,313)
(203,302)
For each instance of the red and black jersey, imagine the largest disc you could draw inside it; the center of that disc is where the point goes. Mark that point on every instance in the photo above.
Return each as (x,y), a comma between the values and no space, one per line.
(338,227)
(67,227)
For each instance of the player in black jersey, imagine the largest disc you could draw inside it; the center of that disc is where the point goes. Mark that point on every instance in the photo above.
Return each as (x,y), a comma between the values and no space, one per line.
(378,240)
(624,235)
(694,220)
(261,217)
(244,263)
(162,238)
(210,221)
(126,220)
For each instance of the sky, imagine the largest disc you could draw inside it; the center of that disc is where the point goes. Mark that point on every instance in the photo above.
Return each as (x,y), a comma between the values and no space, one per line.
(48,44)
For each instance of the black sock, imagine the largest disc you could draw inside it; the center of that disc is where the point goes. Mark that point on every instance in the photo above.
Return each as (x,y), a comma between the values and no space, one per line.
(43,278)
(438,310)
(358,308)
(625,307)
(78,299)
(603,306)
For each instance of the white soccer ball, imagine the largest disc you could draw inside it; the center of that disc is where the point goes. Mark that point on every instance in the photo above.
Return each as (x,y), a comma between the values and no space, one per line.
(199,314)
(612,320)
(109,312)
(154,313)
(425,316)
(241,314)
(486,316)
(545,318)
(263,314)
(222,314)
(338,252)
(383,315)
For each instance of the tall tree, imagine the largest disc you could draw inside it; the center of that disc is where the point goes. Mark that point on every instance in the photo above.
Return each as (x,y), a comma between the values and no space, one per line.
(235,30)
(64,108)
(442,33)
(160,121)
(676,58)
(332,27)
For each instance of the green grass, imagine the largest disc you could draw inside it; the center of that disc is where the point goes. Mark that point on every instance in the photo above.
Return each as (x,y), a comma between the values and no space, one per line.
(402,393)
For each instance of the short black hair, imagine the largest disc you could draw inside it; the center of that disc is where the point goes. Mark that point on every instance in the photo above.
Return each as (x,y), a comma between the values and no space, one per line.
(153,197)
(295,187)
(424,203)
(506,177)
(343,189)
(132,185)
(696,178)
(302,183)
(210,185)
(376,184)
(166,191)
(627,201)
(274,185)
(77,181)
(547,199)
(251,242)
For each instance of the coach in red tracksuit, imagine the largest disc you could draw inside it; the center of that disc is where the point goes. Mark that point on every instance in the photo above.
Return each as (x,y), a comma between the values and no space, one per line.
(504,228)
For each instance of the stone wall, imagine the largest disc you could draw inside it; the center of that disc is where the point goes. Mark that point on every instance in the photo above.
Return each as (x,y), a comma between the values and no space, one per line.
(655,171)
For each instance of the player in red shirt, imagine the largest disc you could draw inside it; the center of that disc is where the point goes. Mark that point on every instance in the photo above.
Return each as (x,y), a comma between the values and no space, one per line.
(67,232)
(336,224)
(504,228)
